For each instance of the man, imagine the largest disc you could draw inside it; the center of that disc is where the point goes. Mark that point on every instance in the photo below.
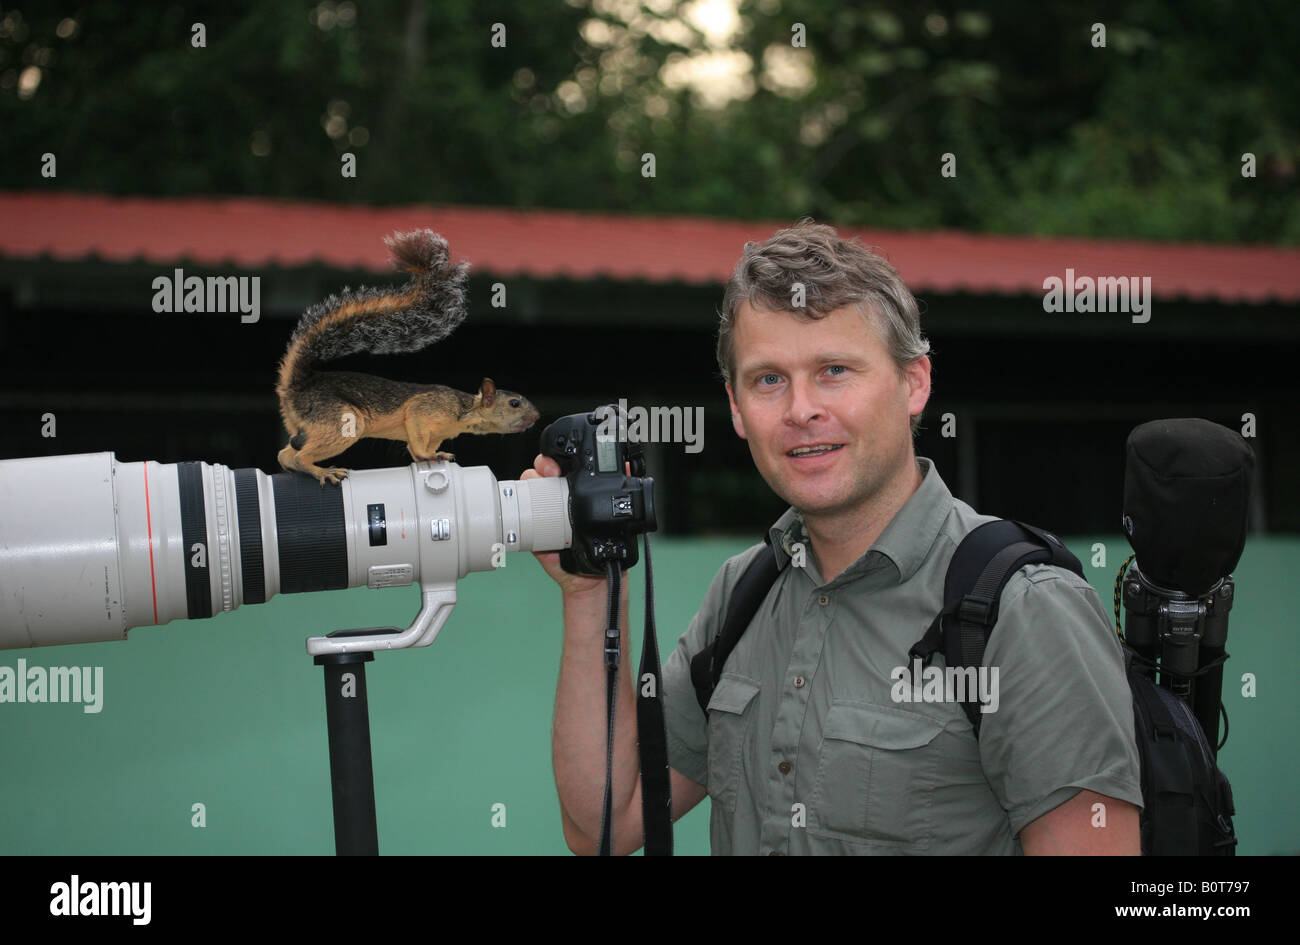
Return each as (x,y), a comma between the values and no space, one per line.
(807,746)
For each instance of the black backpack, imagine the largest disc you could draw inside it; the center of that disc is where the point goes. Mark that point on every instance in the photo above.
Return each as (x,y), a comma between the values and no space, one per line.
(1187,802)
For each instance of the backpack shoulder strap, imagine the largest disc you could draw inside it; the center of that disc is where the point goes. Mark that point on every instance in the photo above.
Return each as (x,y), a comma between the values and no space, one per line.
(746,597)
(981,566)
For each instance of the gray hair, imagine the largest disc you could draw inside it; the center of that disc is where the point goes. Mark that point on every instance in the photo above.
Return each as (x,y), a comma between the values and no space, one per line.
(834,273)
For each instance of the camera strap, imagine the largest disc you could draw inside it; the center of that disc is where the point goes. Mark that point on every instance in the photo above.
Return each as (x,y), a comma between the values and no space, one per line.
(652,735)
(652,739)
(612,635)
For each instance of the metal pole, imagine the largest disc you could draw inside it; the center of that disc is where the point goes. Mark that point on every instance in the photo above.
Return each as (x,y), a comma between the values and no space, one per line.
(351,773)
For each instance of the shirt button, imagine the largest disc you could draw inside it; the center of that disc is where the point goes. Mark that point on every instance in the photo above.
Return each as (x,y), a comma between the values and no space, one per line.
(823,600)
(798,682)
(784,767)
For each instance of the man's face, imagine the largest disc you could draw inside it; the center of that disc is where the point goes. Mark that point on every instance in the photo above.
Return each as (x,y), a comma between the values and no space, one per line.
(827,383)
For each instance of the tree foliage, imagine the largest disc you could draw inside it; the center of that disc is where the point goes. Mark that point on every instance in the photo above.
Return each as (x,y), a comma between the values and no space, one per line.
(1050,133)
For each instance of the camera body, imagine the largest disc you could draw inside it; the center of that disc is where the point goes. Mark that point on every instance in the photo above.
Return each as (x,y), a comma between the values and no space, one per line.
(608,507)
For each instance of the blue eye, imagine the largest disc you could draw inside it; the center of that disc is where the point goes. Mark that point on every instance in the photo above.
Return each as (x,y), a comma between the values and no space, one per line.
(837,367)
(765,377)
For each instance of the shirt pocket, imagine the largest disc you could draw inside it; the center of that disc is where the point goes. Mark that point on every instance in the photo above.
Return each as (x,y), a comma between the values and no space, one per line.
(730,714)
(874,770)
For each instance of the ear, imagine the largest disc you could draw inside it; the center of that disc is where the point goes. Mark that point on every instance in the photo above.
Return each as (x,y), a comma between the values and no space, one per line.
(487,392)
(737,423)
(917,377)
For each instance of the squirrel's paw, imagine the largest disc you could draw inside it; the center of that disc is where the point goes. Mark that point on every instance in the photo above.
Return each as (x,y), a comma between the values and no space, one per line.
(441,457)
(334,475)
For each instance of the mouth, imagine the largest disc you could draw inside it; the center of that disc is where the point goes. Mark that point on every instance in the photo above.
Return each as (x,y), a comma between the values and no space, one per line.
(813,450)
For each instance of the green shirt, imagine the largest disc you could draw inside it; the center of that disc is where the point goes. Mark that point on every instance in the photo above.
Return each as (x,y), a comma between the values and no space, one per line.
(806,748)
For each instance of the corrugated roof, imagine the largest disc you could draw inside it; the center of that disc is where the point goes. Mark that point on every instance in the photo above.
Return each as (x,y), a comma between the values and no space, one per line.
(252,233)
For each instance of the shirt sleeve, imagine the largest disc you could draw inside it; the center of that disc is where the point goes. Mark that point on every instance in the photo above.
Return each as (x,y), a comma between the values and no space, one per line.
(1064,719)
(684,720)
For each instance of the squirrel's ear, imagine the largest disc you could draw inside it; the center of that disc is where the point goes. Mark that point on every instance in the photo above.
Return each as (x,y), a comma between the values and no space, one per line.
(488,391)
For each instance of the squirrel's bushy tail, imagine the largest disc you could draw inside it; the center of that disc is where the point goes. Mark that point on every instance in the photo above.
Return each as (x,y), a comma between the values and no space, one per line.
(383,321)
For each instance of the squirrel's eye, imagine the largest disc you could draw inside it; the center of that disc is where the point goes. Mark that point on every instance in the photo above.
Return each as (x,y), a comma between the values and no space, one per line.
(514,403)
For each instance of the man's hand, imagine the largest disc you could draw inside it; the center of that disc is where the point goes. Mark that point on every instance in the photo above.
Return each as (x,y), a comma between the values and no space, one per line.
(550,560)
(570,584)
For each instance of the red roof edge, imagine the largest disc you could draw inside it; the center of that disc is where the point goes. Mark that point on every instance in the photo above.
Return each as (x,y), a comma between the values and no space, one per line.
(246,233)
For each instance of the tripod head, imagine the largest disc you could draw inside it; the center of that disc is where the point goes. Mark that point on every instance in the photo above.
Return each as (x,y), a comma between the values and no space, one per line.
(1187,485)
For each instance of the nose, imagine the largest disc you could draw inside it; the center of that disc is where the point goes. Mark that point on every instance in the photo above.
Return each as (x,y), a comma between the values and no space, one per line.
(805,403)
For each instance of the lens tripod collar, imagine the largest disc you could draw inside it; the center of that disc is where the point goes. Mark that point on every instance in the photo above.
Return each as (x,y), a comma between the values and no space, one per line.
(438,600)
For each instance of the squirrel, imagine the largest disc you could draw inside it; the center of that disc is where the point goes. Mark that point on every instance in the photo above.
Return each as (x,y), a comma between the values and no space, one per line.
(325,412)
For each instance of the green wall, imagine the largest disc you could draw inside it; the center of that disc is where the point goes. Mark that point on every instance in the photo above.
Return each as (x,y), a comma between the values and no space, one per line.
(229,713)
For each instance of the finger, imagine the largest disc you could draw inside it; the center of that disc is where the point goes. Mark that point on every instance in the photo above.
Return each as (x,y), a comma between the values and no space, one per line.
(546,466)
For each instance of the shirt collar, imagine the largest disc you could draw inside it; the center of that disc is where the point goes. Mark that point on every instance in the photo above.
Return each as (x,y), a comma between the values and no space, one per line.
(906,540)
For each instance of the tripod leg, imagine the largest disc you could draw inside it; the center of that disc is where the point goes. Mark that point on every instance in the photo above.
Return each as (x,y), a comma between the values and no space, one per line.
(351,775)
